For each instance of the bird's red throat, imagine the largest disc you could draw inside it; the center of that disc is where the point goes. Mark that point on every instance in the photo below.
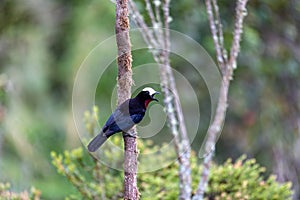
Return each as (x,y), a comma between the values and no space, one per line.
(147,102)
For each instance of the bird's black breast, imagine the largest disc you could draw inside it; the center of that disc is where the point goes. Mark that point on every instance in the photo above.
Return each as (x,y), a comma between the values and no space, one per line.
(137,110)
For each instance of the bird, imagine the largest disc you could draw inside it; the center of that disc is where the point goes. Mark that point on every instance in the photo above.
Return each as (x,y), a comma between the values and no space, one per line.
(126,115)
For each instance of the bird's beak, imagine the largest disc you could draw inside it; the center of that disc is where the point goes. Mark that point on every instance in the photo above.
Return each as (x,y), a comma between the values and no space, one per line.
(153,96)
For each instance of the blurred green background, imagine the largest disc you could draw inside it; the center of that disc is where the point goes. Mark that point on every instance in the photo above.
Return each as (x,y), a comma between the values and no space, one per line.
(43,43)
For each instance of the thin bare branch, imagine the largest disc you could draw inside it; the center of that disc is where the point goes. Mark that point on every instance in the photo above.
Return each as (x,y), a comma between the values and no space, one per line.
(150,12)
(166,12)
(157,26)
(215,35)
(227,67)
(158,29)
(157,5)
(241,12)
(184,148)
(219,30)
(212,133)
(139,21)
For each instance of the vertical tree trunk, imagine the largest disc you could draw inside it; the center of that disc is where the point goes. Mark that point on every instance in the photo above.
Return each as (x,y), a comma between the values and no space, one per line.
(124,92)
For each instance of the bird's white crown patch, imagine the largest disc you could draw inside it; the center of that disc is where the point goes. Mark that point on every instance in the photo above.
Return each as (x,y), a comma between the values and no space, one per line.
(150,90)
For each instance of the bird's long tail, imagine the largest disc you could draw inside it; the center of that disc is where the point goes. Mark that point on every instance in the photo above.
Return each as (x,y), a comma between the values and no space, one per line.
(97,142)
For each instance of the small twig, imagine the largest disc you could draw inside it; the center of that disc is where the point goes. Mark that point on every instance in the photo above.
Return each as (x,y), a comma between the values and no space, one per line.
(215,36)
(147,34)
(220,31)
(157,5)
(139,21)
(159,29)
(156,26)
(241,12)
(166,12)
(150,12)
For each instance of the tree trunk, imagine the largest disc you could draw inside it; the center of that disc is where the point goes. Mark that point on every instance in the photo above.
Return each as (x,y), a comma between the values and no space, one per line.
(124,92)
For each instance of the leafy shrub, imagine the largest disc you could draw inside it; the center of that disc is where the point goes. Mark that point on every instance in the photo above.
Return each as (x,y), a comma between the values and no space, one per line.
(7,194)
(242,179)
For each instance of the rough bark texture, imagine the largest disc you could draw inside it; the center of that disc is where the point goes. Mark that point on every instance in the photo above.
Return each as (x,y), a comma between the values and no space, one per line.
(124,92)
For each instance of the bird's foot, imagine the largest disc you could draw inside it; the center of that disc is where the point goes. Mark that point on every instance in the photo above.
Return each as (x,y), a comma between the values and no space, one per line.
(126,134)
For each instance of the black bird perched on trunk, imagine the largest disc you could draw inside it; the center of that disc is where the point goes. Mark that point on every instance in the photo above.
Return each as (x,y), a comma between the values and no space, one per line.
(126,115)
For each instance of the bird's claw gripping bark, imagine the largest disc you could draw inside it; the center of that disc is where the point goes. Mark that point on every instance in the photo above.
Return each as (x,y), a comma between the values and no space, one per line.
(126,134)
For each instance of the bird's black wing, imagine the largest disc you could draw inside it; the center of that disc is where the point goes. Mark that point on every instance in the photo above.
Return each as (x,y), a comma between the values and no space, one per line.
(113,125)
(121,120)
(117,122)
